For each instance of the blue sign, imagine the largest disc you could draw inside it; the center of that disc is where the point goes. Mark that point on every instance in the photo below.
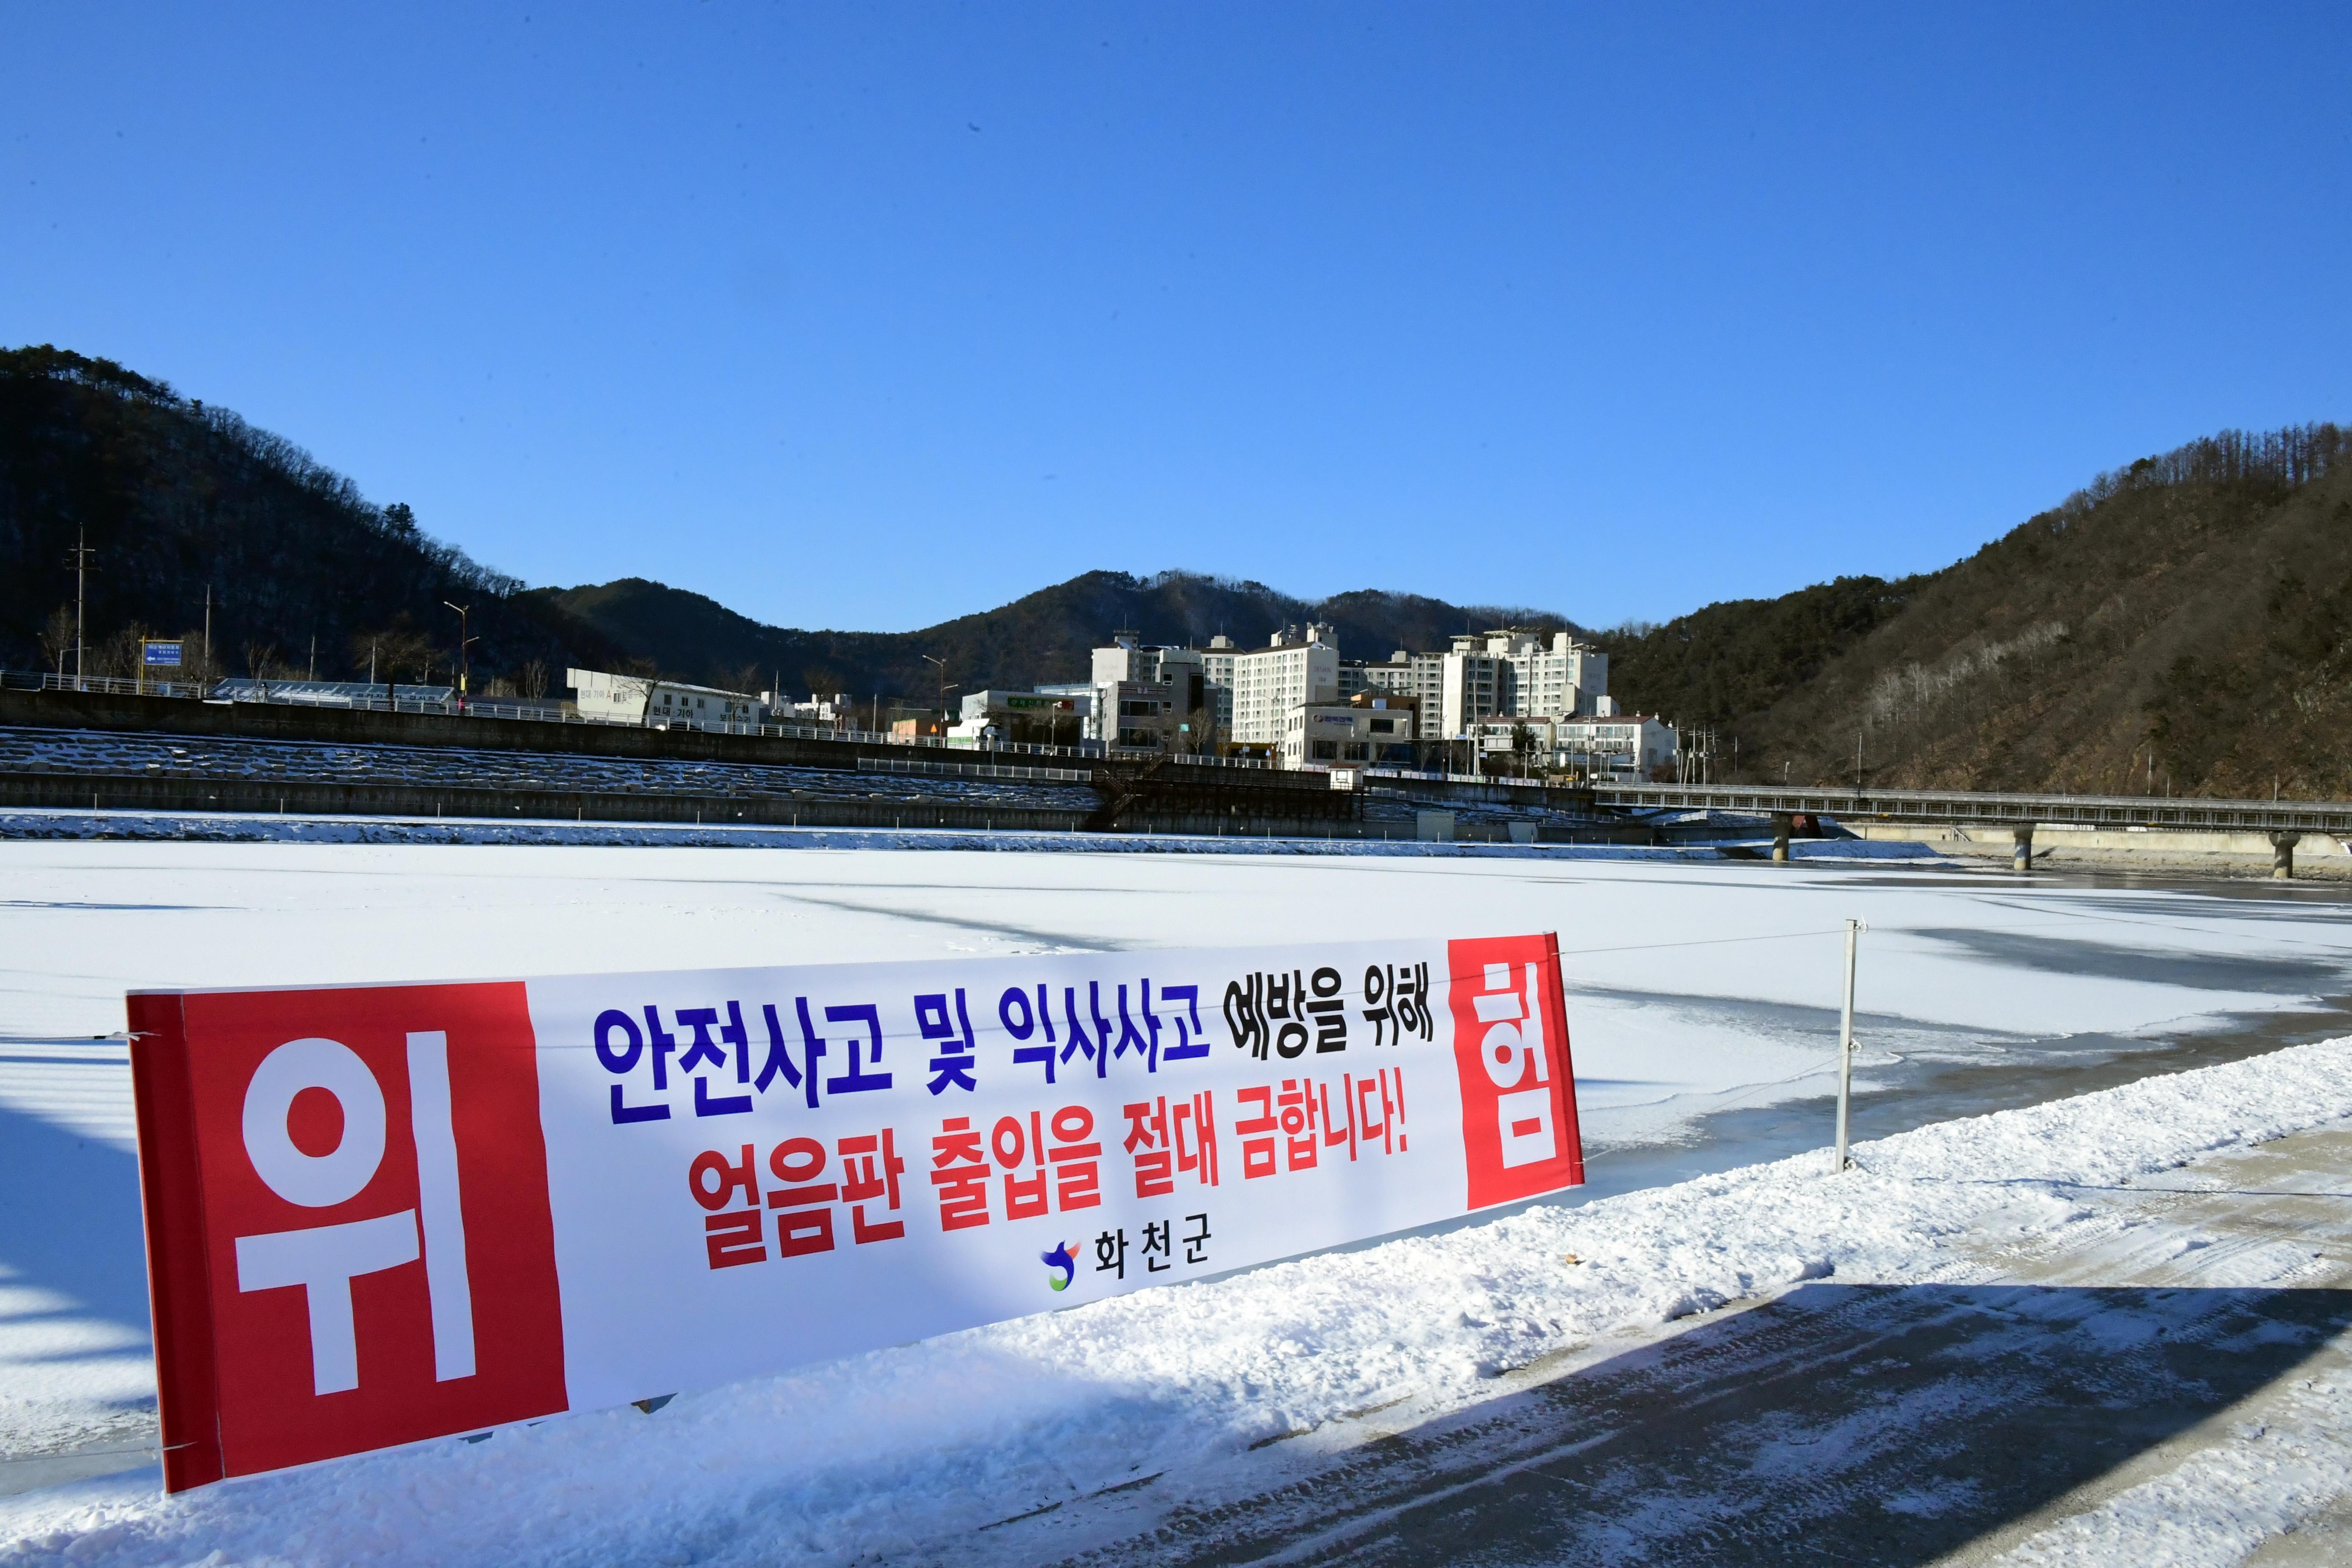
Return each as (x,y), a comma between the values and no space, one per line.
(163,653)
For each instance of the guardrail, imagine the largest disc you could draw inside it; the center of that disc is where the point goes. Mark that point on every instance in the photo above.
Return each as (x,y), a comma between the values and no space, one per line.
(542,713)
(971,770)
(1988,807)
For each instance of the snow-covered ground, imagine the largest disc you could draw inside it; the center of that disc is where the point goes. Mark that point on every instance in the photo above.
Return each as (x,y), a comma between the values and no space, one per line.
(1692,987)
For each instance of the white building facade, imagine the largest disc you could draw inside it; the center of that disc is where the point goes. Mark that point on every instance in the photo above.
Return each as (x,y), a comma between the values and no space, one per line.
(648,699)
(1364,733)
(1294,669)
(1149,696)
(1625,747)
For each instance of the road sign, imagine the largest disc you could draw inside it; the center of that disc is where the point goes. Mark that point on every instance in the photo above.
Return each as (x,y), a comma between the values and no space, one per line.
(162,654)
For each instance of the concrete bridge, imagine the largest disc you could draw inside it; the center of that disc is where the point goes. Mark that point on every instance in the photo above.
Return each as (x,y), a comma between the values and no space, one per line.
(2284,822)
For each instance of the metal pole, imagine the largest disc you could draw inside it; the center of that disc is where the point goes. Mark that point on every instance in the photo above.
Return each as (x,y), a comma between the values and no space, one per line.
(82,598)
(1853,929)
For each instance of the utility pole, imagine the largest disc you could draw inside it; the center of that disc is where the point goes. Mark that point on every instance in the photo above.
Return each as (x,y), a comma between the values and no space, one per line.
(206,676)
(82,553)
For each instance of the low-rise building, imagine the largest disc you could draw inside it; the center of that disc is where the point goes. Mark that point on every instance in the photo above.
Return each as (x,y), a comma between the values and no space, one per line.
(818,710)
(994,717)
(1366,730)
(1624,747)
(649,700)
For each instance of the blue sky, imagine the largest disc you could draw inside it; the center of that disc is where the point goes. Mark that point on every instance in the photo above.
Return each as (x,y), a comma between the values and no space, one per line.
(868,316)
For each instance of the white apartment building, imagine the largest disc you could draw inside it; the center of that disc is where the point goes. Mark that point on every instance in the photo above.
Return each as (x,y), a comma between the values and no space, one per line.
(1551,680)
(1473,686)
(1292,670)
(1217,669)
(1508,674)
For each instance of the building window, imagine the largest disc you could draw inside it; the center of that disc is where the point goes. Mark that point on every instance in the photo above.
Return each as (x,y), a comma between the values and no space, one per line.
(1357,751)
(1327,751)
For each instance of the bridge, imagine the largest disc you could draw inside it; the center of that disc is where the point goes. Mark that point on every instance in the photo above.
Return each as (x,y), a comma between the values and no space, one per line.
(2285,821)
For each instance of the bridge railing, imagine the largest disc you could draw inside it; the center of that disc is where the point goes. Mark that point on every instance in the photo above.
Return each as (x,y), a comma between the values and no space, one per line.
(1992,807)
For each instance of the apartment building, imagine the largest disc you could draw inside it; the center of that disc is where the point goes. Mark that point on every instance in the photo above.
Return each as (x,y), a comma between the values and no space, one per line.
(1295,668)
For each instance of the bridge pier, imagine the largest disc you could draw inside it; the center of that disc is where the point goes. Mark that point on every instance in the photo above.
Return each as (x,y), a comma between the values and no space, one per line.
(1782,824)
(2282,855)
(2021,857)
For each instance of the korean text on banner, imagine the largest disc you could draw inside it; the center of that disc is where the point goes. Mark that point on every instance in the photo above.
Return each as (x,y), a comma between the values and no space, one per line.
(474,1204)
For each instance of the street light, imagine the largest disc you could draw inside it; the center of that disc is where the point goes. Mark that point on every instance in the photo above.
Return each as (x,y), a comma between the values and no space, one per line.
(463,610)
(942,664)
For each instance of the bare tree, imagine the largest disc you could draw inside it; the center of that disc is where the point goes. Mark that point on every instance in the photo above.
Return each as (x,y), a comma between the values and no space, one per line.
(125,653)
(58,637)
(262,663)
(531,680)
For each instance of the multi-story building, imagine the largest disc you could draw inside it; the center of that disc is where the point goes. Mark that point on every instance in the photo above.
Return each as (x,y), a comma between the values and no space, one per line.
(1506,674)
(1553,680)
(1149,698)
(1217,671)
(1474,685)
(1295,668)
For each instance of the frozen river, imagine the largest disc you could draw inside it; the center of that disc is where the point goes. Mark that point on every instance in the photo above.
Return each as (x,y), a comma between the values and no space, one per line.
(1702,996)
(1703,1013)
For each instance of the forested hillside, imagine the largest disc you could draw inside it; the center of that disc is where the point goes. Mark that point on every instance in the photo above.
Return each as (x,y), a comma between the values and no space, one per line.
(175,498)
(1045,636)
(2184,624)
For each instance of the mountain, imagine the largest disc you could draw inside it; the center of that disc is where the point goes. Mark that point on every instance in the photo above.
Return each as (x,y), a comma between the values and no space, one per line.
(1045,636)
(174,498)
(2183,624)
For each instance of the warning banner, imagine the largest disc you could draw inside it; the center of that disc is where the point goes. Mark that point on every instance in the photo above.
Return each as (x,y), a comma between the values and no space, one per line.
(379,1214)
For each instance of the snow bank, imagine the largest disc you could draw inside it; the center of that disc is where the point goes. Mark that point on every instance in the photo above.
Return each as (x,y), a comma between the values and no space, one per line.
(899,1450)
(238,827)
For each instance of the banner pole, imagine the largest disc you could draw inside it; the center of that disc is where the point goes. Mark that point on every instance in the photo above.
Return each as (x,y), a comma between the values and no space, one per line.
(1853,929)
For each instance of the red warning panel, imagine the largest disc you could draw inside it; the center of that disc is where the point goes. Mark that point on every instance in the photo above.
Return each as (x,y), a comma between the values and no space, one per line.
(1519,1135)
(377,1261)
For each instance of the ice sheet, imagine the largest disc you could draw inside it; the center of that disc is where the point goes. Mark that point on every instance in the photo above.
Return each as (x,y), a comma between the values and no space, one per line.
(1692,986)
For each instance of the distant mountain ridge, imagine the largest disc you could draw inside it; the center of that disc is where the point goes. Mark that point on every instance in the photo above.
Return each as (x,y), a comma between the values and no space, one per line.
(1042,637)
(2181,624)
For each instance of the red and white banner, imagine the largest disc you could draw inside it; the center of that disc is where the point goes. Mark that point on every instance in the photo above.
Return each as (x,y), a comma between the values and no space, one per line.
(377,1215)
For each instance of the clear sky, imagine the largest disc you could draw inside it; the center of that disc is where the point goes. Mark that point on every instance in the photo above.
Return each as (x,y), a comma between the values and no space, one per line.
(868,316)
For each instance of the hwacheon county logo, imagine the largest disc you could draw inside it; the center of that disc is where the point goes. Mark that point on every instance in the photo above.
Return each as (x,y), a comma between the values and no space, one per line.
(1060,1258)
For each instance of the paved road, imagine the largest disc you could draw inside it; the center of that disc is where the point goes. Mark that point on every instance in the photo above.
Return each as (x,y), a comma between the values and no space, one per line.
(1938,1423)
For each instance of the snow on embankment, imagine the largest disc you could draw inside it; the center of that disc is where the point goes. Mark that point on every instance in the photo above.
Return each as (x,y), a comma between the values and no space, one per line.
(241,827)
(885,1452)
